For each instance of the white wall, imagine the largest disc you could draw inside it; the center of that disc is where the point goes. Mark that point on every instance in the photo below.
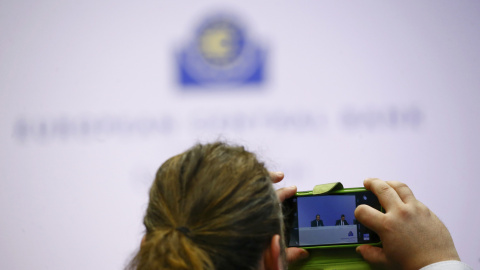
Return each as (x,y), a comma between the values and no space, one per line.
(91,105)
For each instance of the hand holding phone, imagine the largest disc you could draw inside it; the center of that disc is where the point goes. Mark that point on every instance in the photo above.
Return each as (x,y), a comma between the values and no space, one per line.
(412,235)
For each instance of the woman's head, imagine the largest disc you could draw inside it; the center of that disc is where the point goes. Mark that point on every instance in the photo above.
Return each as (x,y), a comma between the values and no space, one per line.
(211,207)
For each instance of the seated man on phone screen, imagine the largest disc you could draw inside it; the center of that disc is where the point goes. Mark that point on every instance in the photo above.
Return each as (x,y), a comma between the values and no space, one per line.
(317,222)
(341,221)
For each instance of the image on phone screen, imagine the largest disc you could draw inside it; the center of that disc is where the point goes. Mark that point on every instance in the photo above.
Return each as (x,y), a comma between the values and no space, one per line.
(325,220)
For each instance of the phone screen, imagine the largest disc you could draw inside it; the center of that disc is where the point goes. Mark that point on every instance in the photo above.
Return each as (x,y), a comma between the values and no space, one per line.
(325,220)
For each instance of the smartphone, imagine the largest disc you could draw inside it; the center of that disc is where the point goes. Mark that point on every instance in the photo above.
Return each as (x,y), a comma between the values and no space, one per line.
(327,220)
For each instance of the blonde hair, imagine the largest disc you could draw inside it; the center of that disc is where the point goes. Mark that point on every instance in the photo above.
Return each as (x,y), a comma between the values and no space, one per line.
(211,207)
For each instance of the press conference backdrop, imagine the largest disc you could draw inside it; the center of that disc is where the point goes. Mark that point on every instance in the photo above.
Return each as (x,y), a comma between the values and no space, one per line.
(95,95)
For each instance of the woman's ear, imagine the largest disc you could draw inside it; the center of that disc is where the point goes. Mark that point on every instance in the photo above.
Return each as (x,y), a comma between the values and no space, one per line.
(272,259)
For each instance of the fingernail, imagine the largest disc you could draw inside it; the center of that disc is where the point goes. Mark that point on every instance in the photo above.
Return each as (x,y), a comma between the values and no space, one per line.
(357,250)
(292,187)
(304,254)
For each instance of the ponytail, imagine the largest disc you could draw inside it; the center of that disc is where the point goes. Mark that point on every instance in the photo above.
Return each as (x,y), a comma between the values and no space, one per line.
(170,249)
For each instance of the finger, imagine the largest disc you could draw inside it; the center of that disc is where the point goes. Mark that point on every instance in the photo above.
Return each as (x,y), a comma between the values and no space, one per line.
(370,217)
(276,176)
(403,191)
(387,196)
(286,192)
(295,254)
(373,255)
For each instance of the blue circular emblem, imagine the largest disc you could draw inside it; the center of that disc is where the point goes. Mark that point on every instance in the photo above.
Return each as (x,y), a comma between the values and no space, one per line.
(221,53)
(220,41)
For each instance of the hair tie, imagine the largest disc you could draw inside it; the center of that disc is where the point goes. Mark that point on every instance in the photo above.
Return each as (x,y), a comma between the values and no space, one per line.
(184,230)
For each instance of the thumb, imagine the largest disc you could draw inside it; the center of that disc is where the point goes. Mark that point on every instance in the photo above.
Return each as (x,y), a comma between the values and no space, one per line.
(295,254)
(373,255)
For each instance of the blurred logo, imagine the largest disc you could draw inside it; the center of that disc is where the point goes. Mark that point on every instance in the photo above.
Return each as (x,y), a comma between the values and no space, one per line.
(350,233)
(221,54)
